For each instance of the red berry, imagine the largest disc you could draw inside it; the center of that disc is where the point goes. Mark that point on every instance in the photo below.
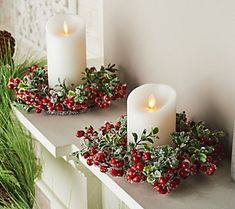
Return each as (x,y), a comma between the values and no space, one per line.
(108,126)
(155,183)
(11,80)
(86,155)
(163,190)
(147,155)
(203,168)
(123,142)
(105,104)
(211,169)
(114,161)
(84,105)
(93,151)
(170,171)
(101,106)
(131,173)
(11,86)
(185,165)
(87,88)
(193,169)
(45,101)
(97,100)
(113,172)
(80,133)
(174,183)
(120,164)
(140,166)
(120,172)
(89,130)
(59,107)
(133,166)
(184,174)
(209,159)
(30,69)
(34,67)
(103,168)
(38,110)
(137,179)
(96,162)
(17,81)
(133,152)
(89,162)
(162,180)
(136,158)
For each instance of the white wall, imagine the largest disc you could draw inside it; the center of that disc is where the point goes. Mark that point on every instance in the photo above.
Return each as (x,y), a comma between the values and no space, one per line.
(189,44)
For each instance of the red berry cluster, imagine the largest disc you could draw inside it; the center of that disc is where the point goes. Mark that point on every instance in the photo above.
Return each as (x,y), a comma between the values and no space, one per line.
(102,158)
(32,91)
(137,162)
(13,82)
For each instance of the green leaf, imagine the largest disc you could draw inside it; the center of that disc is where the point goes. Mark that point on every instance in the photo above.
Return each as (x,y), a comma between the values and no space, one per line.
(71,93)
(202,157)
(83,150)
(157,174)
(135,136)
(150,140)
(150,179)
(155,130)
(148,169)
(146,147)
(87,143)
(131,144)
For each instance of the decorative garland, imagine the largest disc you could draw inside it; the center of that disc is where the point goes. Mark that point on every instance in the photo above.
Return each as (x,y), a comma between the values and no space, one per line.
(99,88)
(196,149)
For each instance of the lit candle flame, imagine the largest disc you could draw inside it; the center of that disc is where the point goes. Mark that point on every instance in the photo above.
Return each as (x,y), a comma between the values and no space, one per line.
(66,30)
(151,103)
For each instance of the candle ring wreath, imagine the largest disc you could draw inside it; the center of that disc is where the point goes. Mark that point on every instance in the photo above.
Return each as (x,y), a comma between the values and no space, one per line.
(196,150)
(99,88)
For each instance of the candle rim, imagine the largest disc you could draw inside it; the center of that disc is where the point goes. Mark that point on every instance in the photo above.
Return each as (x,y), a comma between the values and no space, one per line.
(52,21)
(159,109)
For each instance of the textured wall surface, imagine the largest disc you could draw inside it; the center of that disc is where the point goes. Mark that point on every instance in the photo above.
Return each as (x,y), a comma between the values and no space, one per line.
(189,45)
(27,19)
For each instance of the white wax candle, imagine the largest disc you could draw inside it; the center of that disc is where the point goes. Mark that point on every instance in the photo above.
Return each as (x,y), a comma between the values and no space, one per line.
(66,49)
(152,105)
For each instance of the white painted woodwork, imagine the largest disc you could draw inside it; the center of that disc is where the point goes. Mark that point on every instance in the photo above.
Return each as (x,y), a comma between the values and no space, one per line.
(214,192)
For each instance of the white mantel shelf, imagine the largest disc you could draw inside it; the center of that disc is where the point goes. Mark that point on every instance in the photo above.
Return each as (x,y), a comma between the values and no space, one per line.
(57,135)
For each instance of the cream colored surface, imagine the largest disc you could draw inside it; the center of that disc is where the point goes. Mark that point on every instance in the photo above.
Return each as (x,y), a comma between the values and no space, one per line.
(188,44)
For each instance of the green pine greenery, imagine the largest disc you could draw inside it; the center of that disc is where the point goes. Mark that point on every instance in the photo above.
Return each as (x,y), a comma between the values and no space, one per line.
(19,167)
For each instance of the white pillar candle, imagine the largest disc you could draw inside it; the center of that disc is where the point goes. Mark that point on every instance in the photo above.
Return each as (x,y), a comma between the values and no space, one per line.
(66,49)
(152,105)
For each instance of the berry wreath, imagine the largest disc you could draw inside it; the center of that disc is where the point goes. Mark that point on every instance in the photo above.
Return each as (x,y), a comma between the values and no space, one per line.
(99,88)
(196,150)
